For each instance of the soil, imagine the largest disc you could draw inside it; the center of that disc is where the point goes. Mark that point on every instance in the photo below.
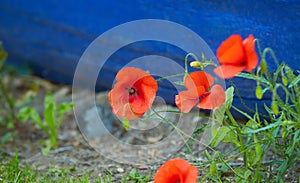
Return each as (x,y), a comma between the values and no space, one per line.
(75,150)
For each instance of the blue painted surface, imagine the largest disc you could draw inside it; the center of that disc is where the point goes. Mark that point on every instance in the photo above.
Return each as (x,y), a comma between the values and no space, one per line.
(52,35)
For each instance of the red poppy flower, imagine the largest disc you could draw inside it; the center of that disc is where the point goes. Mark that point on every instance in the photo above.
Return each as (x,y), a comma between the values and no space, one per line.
(176,170)
(199,88)
(133,93)
(235,55)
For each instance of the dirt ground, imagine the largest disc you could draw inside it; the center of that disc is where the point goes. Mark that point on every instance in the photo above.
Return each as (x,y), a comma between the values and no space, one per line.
(75,152)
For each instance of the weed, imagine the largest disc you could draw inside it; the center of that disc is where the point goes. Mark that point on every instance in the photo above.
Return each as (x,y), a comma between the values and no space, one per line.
(134,176)
(53,116)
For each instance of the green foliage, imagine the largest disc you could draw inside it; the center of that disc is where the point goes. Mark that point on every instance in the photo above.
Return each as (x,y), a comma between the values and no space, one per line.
(278,132)
(53,116)
(106,179)
(3,55)
(7,109)
(10,104)
(126,123)
(134,176)
(12,172)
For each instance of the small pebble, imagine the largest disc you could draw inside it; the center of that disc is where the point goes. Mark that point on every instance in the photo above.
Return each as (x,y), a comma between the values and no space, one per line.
(240,159)
(143,167)
(120,170)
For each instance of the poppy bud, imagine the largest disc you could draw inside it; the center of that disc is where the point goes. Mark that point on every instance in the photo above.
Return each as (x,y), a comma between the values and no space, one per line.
(259,92)
(284,80)
(274,108)
(263,66)
(213,168)
(196,64)
(287,123)
(284,133)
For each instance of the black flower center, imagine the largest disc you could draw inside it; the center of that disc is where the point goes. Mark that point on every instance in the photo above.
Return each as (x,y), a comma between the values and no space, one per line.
(132,91)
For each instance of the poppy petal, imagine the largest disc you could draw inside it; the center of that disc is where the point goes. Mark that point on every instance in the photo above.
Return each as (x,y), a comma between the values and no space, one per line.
(198,78)
(132,105)
(228,71)
(186,100)
(214,99)
(130,73)
(146,88)
(176,170)
(118,98)
(231,51)
(192,174)
(252,58)
(121,107)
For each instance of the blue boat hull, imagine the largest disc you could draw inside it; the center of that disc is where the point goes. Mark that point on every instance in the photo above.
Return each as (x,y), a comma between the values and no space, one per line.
(50,36)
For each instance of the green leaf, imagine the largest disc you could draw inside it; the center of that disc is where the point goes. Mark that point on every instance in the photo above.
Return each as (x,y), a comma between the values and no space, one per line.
(258,149)
(231,136)
(133,172)
(249,76)
(50,113)
(46,149)
(24,114)
(294,82)
(126,123)
(207,155)
(229,97)
(220,135)
(35,117)
(247,174)
(252,124)
(242,112)
(291,148)
(8,136)
(240,174)
(272,125)
(218,114)
(62,109)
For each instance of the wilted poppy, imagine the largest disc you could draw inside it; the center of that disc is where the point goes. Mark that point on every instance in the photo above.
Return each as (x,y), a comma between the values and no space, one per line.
(133,93)
(176,171)
(200,92)
(236,55)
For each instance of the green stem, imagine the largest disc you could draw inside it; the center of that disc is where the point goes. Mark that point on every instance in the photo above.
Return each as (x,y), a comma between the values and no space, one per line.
(259,48)
(242,142)
(54,141)
(171,76)
(263,58)
(186,62)
(228,166)
(242,101)
(266,50)
(171,111)
(182,134)
(8,100)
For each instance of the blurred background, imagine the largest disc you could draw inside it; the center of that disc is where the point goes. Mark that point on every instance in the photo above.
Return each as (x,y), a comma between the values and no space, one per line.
(50,36)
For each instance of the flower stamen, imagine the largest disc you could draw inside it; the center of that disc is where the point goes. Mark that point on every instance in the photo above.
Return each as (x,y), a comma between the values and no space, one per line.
(132,91)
